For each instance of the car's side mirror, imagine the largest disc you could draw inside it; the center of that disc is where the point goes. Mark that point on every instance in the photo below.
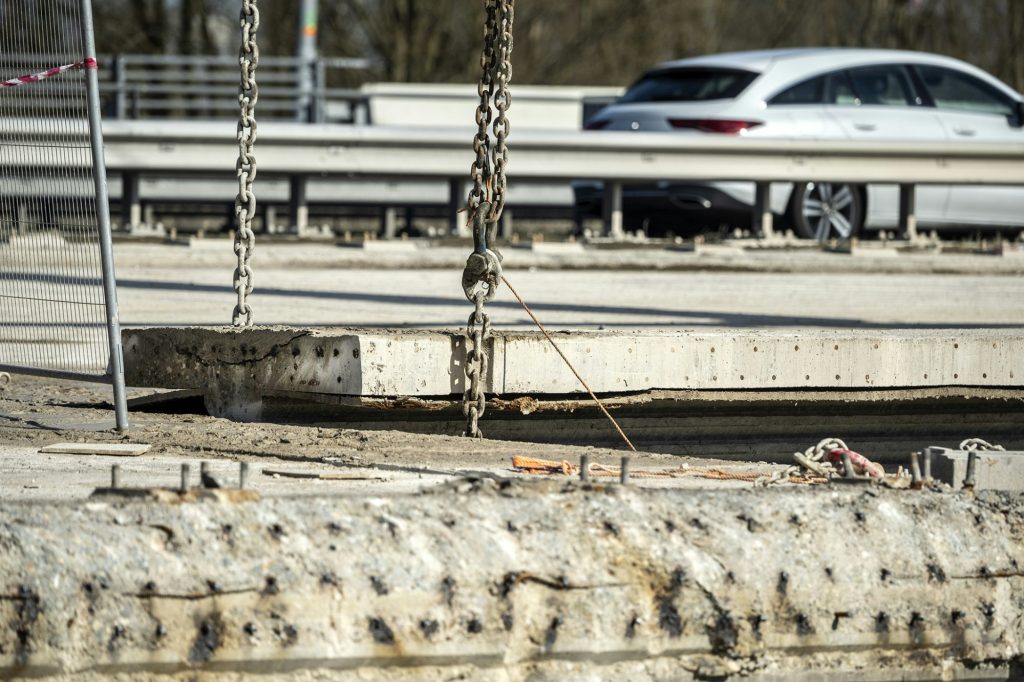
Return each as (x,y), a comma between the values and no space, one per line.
(1017,120)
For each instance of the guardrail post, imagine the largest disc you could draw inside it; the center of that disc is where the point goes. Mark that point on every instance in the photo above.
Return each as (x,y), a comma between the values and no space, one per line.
(318,105)
(298,207)
(389,222)
(131,203)
(908,213)
(269,218)
(457,224)
(23,218)
(763,221)
(120,79)
(612,209)
(507,224)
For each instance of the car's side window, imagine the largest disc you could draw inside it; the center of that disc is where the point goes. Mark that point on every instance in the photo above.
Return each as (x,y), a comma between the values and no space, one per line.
(810,91)
(830,88)
(955,90)
(840,90)
(886,85)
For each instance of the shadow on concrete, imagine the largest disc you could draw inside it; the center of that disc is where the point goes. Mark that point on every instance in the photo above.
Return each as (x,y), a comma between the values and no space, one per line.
(668,317)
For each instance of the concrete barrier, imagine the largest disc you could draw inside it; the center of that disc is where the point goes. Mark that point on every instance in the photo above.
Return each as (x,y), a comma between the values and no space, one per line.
(514,581)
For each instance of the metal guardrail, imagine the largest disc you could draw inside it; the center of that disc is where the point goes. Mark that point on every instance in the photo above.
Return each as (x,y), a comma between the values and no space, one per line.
(136,87)
(299,151)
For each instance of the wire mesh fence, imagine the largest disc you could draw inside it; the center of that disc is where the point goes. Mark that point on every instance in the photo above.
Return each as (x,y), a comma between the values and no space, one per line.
(55,314)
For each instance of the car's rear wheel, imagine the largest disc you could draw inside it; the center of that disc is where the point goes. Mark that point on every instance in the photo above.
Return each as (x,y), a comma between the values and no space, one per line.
(827,210)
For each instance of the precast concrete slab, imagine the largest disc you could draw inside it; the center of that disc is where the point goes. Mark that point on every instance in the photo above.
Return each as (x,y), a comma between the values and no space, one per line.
(489,580)
(236,368)
(389,363)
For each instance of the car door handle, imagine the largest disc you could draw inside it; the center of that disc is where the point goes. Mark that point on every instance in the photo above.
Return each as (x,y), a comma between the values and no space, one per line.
(964,132)
(866,127)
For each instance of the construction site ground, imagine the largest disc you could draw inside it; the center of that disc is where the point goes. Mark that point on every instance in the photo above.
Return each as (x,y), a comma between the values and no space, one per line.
(387,555)
(36,412)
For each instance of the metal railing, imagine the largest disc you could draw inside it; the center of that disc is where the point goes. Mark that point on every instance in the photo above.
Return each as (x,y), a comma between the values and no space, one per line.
(298,152)
(134,87)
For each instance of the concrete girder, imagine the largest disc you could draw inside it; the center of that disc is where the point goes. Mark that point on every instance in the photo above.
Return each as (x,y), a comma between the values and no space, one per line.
(516,581)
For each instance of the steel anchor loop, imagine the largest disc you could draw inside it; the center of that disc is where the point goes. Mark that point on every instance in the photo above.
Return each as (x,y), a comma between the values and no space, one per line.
(482,273)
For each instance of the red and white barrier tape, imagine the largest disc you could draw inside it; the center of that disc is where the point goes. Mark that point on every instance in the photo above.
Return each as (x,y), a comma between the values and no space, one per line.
(88,63)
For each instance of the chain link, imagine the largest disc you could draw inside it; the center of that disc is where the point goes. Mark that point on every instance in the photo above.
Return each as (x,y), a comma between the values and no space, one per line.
(480,172)
(245,202)
(487,199)
(810,460)
(502,101)
(474,402)
(972,444)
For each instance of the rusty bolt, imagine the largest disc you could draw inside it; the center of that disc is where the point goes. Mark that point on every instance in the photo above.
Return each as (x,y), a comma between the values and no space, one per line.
(848,471)
(186,473)
(915,468)
(243,474)
(624,470)
(972,465)
(584,468)
(115,476)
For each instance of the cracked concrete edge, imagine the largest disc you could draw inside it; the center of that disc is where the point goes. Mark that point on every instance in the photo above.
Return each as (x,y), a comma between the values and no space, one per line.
(522,580)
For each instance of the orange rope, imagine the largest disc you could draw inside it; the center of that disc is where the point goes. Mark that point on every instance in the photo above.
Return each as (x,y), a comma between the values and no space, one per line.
(533,465)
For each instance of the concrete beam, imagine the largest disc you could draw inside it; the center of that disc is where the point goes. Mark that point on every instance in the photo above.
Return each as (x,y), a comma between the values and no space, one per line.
(512,580)
(381,362)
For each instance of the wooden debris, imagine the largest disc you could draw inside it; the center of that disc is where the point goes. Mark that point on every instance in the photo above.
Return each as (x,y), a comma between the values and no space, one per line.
(112,449)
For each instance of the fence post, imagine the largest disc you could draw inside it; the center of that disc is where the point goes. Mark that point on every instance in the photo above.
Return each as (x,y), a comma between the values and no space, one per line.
(116,366)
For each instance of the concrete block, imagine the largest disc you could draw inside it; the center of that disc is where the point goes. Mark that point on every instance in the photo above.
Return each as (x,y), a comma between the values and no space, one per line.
(995,469)
(511,581)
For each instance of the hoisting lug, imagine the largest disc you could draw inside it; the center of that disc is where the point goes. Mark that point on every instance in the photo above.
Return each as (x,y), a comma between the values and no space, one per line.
(481,276)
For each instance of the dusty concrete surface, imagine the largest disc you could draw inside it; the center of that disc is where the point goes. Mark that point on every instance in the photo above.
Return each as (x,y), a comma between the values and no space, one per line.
(515,581)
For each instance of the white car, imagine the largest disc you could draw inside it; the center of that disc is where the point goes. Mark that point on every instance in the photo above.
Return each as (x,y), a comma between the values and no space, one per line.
(818,94)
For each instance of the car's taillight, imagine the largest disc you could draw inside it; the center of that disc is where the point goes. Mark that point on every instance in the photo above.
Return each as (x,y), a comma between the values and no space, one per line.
(597,125)
(713,125)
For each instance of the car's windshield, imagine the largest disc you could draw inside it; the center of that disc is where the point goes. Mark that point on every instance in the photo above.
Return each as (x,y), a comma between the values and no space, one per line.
(689,85)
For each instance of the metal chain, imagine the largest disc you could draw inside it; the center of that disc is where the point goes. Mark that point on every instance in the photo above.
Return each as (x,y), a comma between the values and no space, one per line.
(245,202)
(486,200)
(474,402)
(810,460)
(480,171)
(972,444)
(502,101)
